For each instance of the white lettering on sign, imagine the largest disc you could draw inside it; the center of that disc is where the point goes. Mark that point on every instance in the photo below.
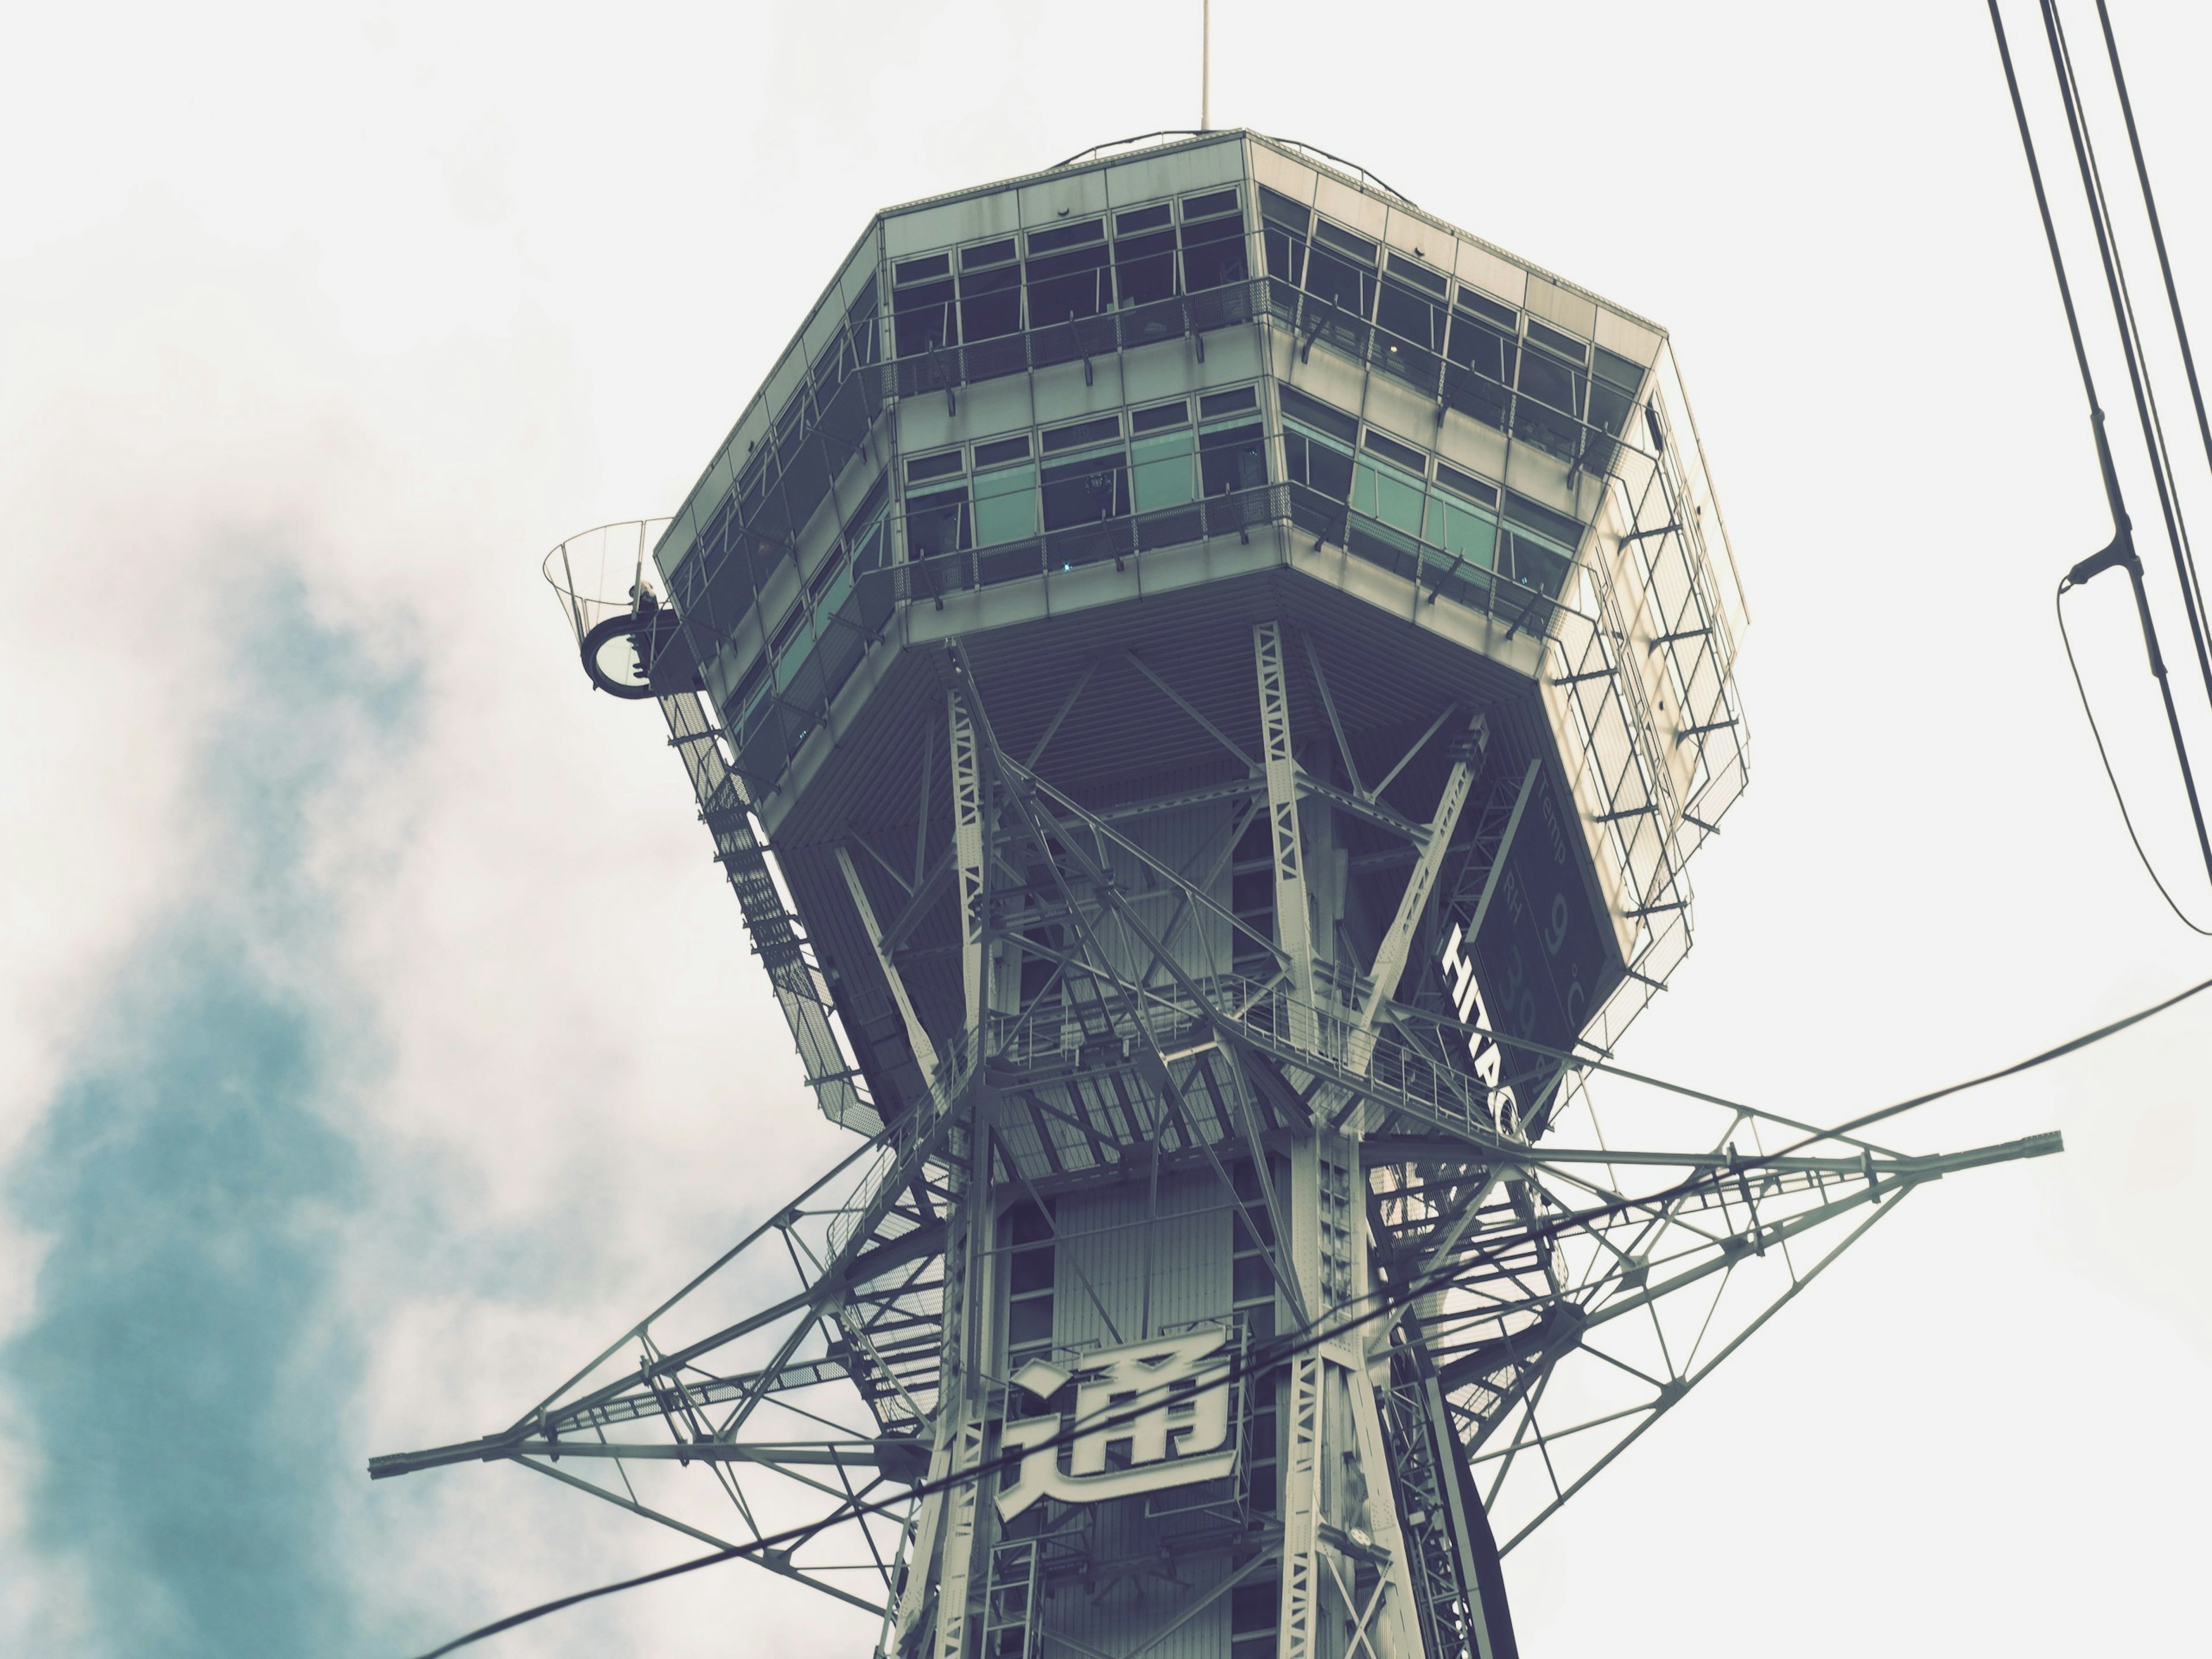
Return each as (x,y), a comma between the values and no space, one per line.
(1166,1401)
(1489,1060)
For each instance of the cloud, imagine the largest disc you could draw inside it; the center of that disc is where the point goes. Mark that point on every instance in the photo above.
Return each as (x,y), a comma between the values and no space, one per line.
(183,1366)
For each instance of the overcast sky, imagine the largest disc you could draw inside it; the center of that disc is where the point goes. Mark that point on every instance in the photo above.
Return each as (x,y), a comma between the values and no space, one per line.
(376,1039)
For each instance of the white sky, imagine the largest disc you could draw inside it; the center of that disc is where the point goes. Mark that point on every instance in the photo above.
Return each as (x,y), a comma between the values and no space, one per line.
(391,297)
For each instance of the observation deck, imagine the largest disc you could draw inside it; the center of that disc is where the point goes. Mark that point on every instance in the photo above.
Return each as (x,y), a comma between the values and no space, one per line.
(1097,424)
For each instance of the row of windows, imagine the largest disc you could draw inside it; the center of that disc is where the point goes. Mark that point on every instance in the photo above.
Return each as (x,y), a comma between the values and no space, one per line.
(1465,347)
(1412,512)
(1068,271)
(1456,343)
(1330,455)
(788,472)
(812,650)
(836,401)
(1007,489)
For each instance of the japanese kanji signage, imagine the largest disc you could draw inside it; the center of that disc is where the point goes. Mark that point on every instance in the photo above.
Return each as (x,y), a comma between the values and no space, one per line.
(1146,1416)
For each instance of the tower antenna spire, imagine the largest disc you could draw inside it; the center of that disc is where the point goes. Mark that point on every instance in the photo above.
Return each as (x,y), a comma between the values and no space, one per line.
(1206,65)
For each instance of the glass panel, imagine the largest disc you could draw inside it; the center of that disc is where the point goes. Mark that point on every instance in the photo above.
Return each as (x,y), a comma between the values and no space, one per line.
(1535,565)
(1461,530)
(1232,456)
(1337,236)
(923,317)
(922,467)
(1084,489)
(1382,491)
(1390,449)
(1082,433)
(1608,409)
(1347,287)
(1553,526)
(1468,485)
(1058,236)
(1497,310)
(1274,204)
(1320,417)
(936,523)
(792,657)
(1419,274)
(1068,285)
(1411,315)
(1617,370)
(833,591)
(1212,254)
(1565,344)
(1143,268)
(991,303)
(1000,451)
(1160,470)
(1317,462)
(1005,505)
(1029,1320)
(1476,345)
(1551,398)
(1143,218)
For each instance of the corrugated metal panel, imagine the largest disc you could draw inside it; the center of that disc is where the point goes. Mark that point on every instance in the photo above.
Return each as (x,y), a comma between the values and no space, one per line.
(1115,1239)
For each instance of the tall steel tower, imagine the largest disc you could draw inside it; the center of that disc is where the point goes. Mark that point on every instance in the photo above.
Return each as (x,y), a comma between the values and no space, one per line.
(1206,681)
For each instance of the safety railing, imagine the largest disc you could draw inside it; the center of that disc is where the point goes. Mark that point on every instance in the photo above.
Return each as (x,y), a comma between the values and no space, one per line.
(1077,339)
(1567,434)
(1403,1074)
(935,575)
(1476,584)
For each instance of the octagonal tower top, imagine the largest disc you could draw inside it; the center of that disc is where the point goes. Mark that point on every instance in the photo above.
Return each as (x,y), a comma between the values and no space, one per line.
(1100,424)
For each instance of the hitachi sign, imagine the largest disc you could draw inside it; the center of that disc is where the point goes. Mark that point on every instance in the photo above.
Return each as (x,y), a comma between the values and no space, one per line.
(1483,1050)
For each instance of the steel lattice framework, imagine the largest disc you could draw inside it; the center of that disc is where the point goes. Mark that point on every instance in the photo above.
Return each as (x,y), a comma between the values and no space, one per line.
(1212,896)
(1580,1289)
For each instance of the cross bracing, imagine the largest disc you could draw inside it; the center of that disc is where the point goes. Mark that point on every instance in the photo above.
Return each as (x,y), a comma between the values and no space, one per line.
(1211,771)
(1559,1294)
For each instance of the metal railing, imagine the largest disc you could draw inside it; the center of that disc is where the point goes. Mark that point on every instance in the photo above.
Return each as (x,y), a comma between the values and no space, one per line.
(1236,512)
(1395,1070)
(1437,571)
(1563,433)
(1078,339)
(1566,434)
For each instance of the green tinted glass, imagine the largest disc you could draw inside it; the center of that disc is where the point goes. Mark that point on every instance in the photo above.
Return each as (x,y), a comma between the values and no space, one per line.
(1461,530)
(1160,469)
(1385,492)
(1005,505)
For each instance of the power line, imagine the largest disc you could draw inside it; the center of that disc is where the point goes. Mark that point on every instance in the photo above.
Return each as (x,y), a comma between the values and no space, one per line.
(2158,236)
(1289,1347)
(2120,551)
(2058,609)
(2132,351)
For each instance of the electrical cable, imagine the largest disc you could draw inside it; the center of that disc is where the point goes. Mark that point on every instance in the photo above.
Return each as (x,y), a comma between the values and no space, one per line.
(2058,609)
(2120,551)
(1290,1346)
(2158,237)
(2131,347)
